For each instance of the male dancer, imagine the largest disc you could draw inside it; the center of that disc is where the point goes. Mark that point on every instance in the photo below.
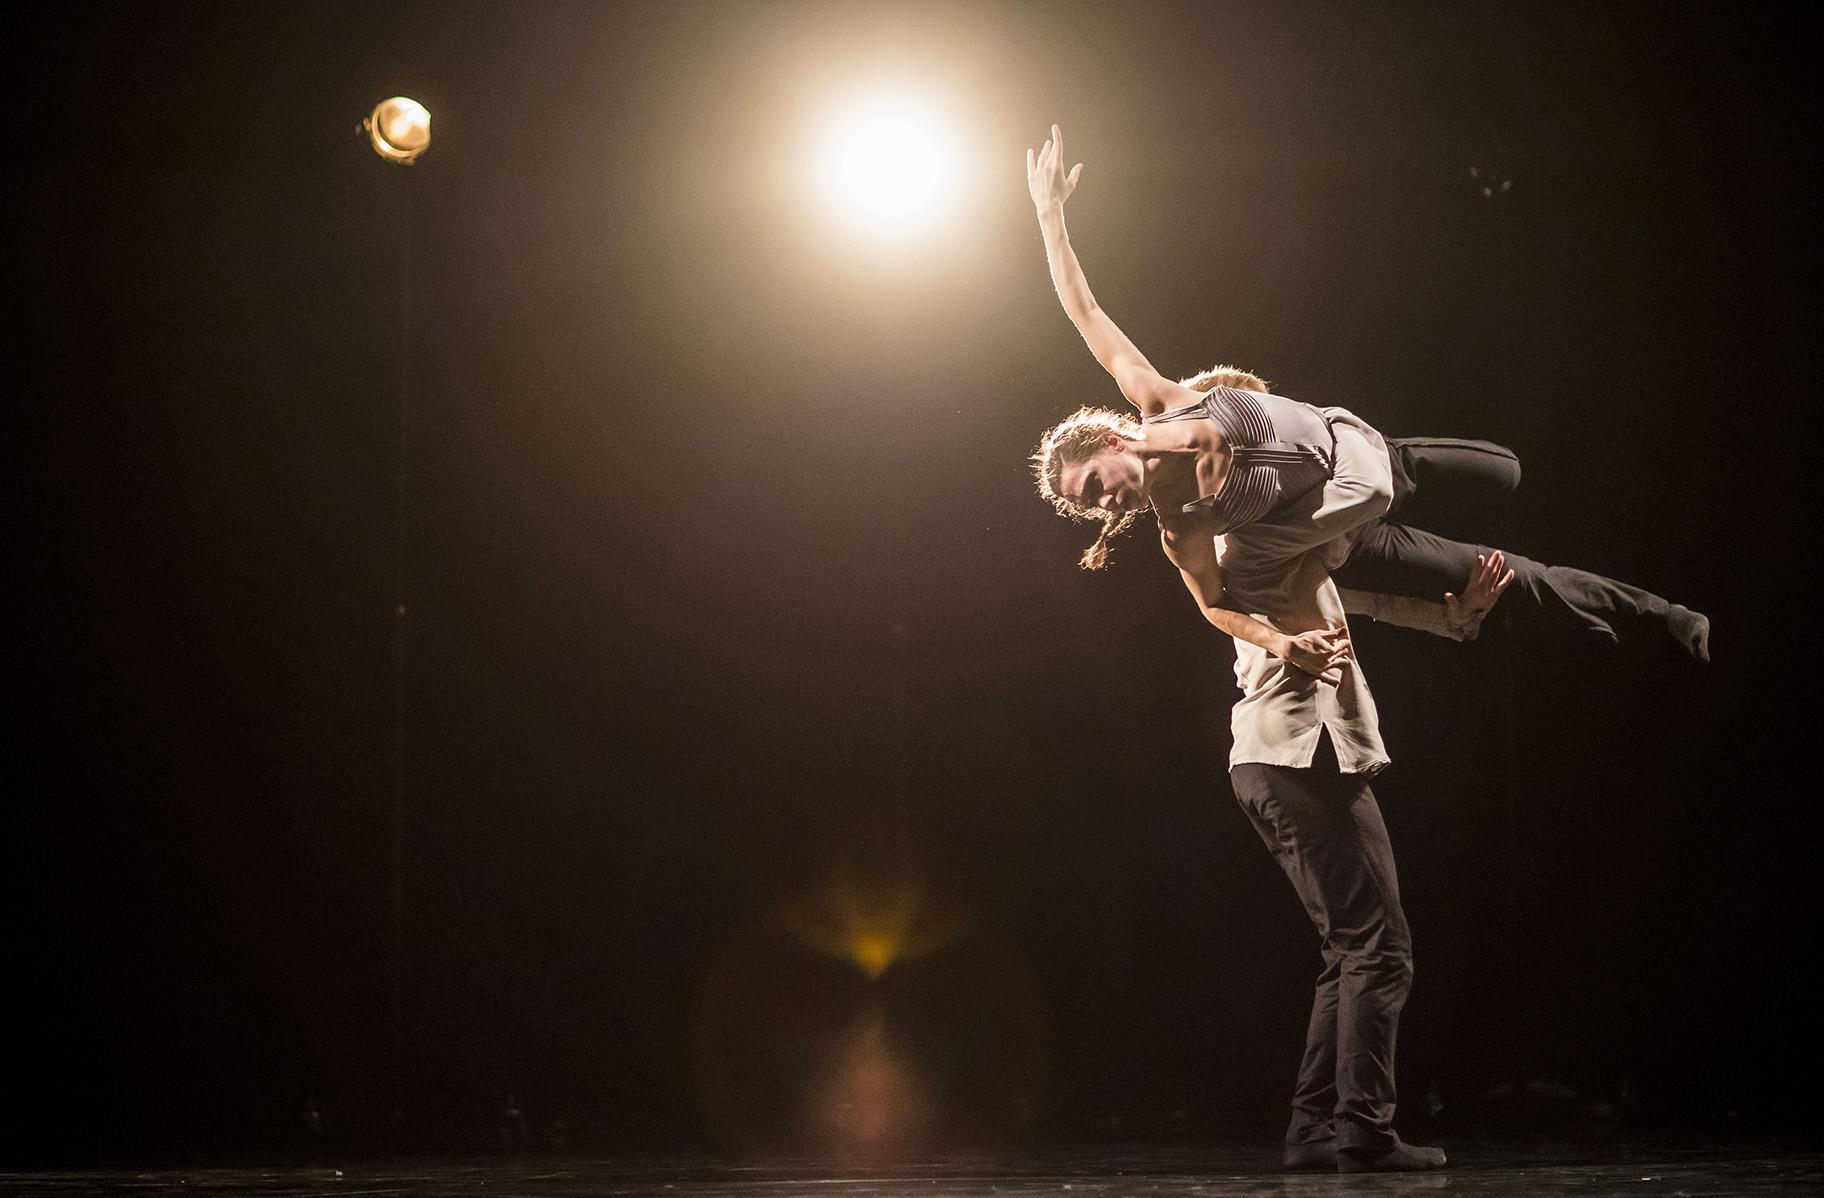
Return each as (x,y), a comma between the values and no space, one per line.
(1304,749)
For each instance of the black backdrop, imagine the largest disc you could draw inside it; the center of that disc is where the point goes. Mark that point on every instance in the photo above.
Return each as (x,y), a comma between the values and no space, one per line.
(728,592)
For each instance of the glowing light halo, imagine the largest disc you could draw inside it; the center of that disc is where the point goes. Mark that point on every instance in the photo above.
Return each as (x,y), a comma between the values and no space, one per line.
(890,164)
(872,923)
(400,129)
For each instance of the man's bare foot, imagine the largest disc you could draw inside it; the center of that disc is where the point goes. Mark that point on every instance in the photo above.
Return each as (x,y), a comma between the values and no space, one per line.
(1401,1158)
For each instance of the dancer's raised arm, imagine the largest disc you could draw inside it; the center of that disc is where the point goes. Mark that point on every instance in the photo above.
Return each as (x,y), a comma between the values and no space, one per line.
(1143,386)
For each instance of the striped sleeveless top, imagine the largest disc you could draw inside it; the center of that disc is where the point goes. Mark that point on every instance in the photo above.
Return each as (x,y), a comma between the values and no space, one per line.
(1282,449)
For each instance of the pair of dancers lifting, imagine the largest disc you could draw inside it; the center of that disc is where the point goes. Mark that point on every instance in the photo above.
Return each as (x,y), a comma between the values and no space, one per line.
(1214,454)
(1265,506)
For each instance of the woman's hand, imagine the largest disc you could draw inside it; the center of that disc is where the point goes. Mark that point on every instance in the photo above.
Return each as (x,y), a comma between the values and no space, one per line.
(1481,590)
(1321,653)
(1045,177)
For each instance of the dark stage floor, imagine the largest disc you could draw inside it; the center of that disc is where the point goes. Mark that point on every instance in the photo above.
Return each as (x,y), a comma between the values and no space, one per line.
(1638,1169)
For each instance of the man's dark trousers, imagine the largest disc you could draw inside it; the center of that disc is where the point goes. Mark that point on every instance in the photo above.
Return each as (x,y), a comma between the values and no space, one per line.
(1324,828)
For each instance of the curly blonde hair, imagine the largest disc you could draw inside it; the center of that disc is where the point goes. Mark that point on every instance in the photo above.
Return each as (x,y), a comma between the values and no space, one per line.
(1077,438)
(1081,435)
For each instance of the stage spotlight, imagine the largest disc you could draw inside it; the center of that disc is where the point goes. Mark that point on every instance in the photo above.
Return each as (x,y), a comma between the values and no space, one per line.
(891,165)
(400,129)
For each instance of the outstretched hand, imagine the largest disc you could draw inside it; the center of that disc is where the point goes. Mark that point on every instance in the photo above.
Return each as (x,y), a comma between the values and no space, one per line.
(1321,653)
(1045,177)
(1481,590)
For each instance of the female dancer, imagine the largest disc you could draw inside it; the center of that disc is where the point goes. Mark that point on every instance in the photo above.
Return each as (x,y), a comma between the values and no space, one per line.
(1219,456)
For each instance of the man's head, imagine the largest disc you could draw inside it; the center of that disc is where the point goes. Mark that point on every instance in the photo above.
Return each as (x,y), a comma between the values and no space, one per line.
(1228,376)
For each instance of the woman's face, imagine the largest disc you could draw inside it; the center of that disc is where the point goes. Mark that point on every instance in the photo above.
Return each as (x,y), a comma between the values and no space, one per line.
(1114,480)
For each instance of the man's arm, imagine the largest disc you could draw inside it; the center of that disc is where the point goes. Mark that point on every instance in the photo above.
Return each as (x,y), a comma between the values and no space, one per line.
(1144,386)
(1422,615)
(1458,617)
(1320,652)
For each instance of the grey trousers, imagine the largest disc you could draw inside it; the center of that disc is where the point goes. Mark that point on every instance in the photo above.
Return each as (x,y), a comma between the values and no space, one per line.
(1325,830)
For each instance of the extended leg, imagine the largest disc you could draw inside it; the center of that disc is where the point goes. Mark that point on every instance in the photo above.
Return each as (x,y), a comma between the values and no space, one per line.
(1398,559)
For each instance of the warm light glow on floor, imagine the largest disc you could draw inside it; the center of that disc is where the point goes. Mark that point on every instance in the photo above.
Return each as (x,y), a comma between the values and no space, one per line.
(891,165)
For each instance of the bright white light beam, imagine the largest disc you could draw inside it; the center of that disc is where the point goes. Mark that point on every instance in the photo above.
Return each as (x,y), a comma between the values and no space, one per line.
(891,166)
